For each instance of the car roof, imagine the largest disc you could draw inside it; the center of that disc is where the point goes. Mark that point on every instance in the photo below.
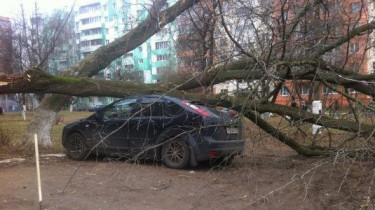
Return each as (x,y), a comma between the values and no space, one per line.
(174,99)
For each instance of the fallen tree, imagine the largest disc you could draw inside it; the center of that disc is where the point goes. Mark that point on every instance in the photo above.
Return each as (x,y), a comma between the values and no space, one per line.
(261,69)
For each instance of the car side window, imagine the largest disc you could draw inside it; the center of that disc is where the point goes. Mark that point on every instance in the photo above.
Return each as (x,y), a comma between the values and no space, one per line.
(121,109)
(152,107)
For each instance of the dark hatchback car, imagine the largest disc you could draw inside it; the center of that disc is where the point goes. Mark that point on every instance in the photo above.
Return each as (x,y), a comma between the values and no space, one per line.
(177,132)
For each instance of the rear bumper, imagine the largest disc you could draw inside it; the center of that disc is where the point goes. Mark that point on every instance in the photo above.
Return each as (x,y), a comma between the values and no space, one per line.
(209,148)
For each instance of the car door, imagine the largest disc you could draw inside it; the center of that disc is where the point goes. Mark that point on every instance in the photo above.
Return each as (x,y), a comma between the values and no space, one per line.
(116,123)
(150,122)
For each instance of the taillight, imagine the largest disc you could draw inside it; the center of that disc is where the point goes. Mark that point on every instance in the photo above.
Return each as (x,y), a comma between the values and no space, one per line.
(196,108)
(213,154)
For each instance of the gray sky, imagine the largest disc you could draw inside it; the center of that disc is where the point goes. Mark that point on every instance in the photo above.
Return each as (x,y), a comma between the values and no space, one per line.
(10,8)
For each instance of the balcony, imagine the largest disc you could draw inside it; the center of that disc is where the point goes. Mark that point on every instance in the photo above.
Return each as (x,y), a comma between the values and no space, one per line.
(89,48)
(90,26)
(88,15)
(91,37)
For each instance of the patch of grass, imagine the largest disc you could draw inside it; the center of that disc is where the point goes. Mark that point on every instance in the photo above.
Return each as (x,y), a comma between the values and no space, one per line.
(13,124)
(5,137)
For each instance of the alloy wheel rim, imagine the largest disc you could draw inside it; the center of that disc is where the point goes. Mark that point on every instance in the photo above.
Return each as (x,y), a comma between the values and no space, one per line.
(175,152)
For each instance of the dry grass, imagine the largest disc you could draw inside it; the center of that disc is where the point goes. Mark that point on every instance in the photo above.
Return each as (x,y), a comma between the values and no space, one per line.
(13,124)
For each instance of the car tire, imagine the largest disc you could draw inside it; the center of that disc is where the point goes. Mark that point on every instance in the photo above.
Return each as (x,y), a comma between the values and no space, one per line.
(76,148)
(175,153)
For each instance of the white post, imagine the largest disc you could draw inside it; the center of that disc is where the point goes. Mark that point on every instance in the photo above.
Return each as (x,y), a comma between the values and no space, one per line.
(24,112)
(316,109)
(71,108)
(38,170)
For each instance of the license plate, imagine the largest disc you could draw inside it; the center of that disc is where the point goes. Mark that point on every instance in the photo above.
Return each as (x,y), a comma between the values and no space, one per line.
(232,130)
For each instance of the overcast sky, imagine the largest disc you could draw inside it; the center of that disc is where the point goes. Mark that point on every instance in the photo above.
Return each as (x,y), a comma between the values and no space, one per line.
(10,8)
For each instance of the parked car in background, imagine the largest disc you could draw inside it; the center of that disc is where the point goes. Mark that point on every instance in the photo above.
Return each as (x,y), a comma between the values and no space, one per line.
(173,130)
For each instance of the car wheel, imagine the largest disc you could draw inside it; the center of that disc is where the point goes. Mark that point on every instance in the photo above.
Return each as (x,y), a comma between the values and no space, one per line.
(77,149)
(175,153)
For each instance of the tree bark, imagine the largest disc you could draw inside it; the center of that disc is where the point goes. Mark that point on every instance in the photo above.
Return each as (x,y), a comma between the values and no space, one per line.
(37,81)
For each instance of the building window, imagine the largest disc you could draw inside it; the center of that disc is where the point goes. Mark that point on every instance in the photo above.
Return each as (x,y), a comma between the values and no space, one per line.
(90,20)
(284,91)
(353,48)
(163,57)
(85,43)
(354,67)
(129,67)
(140,48)
(89,8)
(96,42)
(128,55)
(373,67)
(140,61)
(305,90)
(162,45)
(355,7)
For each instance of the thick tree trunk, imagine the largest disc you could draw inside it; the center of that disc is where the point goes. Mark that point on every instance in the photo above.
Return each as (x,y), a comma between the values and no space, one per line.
(43,120)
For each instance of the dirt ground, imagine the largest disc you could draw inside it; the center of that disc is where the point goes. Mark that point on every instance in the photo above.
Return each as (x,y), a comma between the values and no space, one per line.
(267,176)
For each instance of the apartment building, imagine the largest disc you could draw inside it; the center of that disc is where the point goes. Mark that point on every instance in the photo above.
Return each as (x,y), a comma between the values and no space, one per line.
(99,22)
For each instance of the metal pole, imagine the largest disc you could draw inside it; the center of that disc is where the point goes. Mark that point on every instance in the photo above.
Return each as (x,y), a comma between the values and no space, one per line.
(38,170)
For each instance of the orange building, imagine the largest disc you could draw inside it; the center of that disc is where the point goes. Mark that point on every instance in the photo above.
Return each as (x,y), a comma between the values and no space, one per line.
(326,22)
